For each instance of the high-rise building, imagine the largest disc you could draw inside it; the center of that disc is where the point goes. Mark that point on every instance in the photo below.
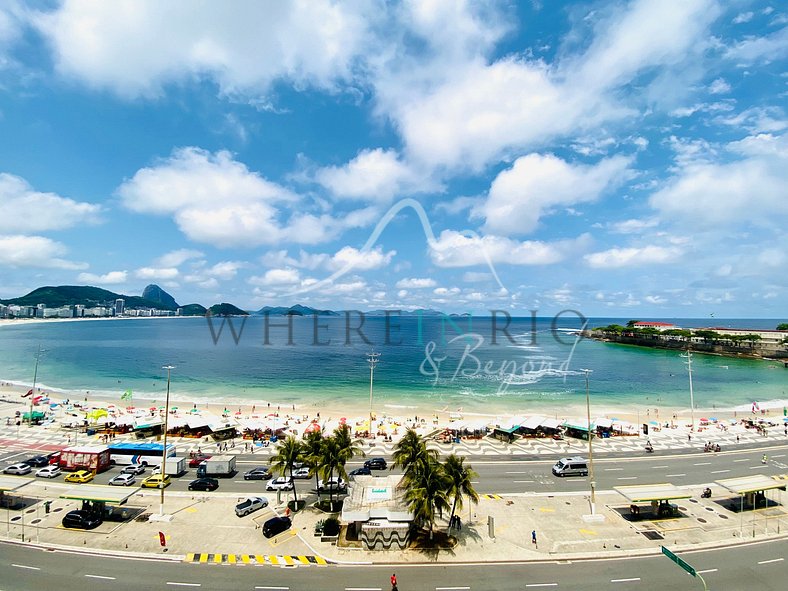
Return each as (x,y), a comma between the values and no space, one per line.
(120,304)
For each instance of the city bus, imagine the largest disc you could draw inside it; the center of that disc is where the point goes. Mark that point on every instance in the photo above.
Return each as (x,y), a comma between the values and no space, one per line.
(147,454)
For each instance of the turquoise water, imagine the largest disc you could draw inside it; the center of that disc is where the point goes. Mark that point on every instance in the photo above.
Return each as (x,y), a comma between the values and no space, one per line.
(425,363)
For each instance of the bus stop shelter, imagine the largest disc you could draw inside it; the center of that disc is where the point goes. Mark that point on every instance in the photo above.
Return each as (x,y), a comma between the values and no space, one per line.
(11,484)
(750,489)
(658,495)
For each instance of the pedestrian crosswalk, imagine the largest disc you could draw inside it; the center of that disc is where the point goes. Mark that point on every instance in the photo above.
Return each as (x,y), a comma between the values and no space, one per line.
(255,559)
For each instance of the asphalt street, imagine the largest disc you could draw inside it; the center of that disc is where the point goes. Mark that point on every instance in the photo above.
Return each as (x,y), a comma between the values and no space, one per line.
(756,566)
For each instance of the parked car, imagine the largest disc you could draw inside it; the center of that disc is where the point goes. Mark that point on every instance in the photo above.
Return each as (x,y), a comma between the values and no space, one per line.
(123,480)
(49,472)
(204,484)
(157,481)
(250,505)
(198,459)
(20,469)
(81,520)
(333,484)
(80,476)
(133,469)
(37,461)
(281,483)
(363,471)
(276,525)
(259,473)
(301,473)
(376,463)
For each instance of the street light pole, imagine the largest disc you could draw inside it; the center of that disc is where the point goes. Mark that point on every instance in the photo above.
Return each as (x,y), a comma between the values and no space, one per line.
(373,359)
(590,447)
(692,396)
(169,368)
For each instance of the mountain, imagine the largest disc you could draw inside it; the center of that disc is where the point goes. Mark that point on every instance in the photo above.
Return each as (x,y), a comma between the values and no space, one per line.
(71,295)
(163,300)
(297,310)
(193,310)
(225,309)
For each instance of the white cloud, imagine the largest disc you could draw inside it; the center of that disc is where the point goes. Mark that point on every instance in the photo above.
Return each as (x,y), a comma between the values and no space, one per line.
(750,189)
(225,270)
(27,210)
(176,258)
(217,200)
(453,249)
(522,194)
(615,258)
(156,273)
(111,278)
(359,260)
(416,282)
(18,251)
(767,48)
(374,175)
(633,226)
(719,86)
(277,277)
(137,47)
(757,119)
(305,260)
(743,17)
(443,291)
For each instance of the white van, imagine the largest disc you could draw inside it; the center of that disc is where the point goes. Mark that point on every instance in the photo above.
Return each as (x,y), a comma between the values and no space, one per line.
(571,467)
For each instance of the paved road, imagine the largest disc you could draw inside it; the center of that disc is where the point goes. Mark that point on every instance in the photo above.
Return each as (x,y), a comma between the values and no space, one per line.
(757,566)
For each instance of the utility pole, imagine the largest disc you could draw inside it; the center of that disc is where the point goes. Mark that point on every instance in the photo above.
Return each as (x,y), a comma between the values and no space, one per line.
(373,359)
(33,391)
(590,447)
(688,356)
(169,368)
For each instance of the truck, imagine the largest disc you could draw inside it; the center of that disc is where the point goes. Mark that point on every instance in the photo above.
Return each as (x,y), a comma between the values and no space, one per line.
(175,466)
(217,466)
(95,458)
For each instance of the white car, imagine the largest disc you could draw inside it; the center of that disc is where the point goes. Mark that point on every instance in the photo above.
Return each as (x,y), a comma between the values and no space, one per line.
(334,484)
(123,480)
(133,469)
(49,472)
(250,505)
(20,469)
(301,473)
(281,483)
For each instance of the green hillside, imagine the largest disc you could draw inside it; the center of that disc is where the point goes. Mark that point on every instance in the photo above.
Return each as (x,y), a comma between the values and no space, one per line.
(71,295)
(225,309)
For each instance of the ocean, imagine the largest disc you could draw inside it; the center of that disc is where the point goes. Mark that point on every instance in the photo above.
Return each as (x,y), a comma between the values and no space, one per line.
(529,365)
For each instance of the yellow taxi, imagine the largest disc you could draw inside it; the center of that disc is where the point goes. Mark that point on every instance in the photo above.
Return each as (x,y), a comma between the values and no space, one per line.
(80,476)
(157,481)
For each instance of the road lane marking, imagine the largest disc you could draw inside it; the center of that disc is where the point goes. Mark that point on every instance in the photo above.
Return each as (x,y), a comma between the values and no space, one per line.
(658,467)
(702,464)
(274,588)
(515,472)
(742,460)
(521,481)
(542,585)
(779,456)
(184,584)
(451,588)
(756,467)
(672,475)
(720,471)
(363,589)
(613,469)
(100,577)
(770,561)
(633,579)
(26,566)
(627,478)
(708,570)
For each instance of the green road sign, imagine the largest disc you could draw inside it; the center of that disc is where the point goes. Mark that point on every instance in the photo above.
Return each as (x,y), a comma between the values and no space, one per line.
(690,569)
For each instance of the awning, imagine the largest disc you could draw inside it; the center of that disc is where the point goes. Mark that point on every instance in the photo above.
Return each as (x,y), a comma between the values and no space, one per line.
(196,422)
(603,422)
(216,427)
(577,425)
(644,493)
(748,484)
(533,423)
(12,483)
(98,492)
(550,424)
(147,423)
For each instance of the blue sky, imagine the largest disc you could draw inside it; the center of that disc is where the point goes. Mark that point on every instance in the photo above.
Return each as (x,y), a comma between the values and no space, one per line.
(619,158)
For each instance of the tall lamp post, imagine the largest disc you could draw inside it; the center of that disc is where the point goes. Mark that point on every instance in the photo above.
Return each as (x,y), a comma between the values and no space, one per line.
(590,447)
(688,356)
(169,368)
(373,359)
(33,391)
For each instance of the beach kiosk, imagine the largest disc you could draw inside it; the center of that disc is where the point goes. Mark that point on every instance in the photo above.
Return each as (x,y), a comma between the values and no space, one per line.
(96,497)
(376,511)
(751,491)
(659,496)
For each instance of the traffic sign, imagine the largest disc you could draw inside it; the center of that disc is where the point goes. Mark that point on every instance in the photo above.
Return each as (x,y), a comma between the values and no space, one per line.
(690,569)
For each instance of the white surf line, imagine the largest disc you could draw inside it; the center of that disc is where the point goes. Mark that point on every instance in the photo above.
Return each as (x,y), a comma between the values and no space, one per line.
(26,566)
(708,570)
(719,471)
(632,580)
(770,561)
(672,475)
(100,577)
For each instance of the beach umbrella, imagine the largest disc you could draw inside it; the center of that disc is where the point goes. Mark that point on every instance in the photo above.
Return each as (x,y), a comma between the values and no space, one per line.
(314,427)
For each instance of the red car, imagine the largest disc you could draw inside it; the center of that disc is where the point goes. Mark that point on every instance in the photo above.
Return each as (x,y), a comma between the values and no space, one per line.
(198,459)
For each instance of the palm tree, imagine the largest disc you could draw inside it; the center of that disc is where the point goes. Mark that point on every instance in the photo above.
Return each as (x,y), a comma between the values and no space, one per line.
(427,493)
(411,454)
(288,452)
(330,460)
(460,477)
(313,454)
(348,448)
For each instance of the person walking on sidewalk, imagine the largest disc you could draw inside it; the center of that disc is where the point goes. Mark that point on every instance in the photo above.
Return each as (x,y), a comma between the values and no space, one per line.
(533,537)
